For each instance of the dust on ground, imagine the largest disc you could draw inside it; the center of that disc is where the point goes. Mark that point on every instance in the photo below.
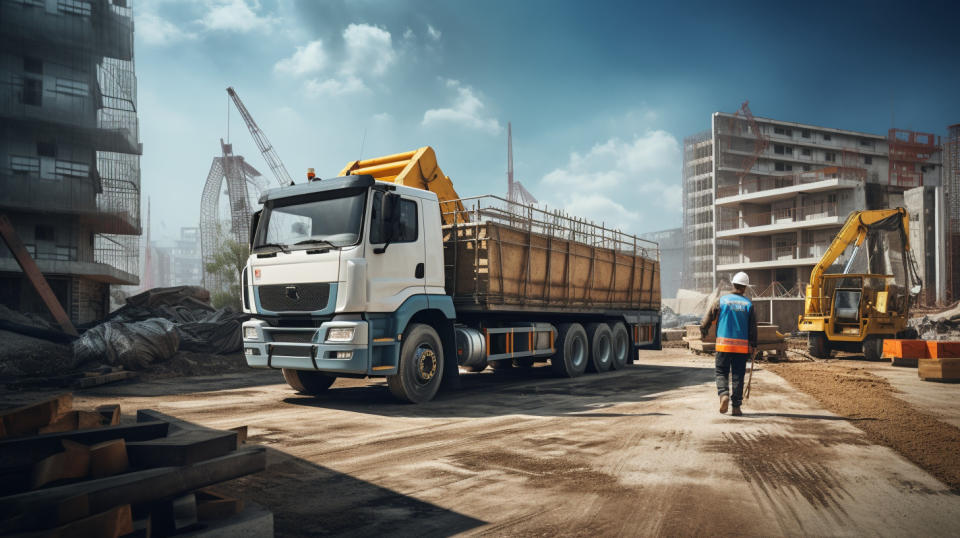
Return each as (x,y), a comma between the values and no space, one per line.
(870,403)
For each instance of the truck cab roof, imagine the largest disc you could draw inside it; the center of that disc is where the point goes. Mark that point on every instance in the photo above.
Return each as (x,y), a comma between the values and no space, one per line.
(337,183)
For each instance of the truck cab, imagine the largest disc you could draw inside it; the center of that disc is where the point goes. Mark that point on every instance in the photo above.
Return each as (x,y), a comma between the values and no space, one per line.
(338,270)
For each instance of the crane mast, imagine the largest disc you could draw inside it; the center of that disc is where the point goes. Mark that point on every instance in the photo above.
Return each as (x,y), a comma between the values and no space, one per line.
(269,154)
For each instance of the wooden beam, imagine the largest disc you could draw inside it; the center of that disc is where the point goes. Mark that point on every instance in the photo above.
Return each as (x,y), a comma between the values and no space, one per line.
(31,417)
(30,269)
(27,511)
(27,450)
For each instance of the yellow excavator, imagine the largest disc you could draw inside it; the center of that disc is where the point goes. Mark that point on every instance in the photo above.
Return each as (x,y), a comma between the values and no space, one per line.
(855,311)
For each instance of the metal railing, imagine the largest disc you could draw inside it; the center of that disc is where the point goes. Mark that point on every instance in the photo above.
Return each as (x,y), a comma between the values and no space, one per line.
(555,223)
(803,251)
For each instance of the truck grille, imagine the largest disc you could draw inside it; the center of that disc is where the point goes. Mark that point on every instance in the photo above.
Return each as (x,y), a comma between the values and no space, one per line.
(294,297)
(290,351)
(300,337)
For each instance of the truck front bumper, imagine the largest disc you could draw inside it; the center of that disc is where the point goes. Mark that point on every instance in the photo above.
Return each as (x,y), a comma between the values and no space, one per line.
(307,348)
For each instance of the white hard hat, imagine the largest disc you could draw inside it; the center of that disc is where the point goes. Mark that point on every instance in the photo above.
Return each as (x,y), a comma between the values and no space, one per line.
(741,279)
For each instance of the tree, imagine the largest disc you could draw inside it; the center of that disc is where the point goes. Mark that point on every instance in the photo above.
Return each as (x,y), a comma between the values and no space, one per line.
(228,264)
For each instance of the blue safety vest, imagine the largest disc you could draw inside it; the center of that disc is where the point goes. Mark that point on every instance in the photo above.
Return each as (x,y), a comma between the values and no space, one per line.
(733,324)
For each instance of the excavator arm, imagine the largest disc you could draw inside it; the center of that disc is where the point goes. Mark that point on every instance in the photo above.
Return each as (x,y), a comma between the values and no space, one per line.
(854,231)
(417,169)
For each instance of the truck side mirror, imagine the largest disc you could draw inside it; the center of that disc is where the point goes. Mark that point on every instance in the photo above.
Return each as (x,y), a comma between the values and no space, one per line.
(389,220)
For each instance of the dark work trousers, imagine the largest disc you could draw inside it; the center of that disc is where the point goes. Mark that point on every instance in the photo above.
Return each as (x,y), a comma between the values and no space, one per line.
(728,363)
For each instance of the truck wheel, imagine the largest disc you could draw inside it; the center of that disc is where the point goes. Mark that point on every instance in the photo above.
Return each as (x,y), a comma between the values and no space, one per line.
(572,350)
(308,382)
(873,348)
(817,345)
(601,347)
(620,346)
(421,365)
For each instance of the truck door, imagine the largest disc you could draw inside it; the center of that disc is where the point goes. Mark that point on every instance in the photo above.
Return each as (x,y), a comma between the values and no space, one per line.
(397,273)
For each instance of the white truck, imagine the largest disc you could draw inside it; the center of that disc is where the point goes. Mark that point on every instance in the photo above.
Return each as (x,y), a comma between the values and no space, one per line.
(385,271)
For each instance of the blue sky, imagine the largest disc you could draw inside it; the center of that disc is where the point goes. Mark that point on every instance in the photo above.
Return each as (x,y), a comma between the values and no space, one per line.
(600,94)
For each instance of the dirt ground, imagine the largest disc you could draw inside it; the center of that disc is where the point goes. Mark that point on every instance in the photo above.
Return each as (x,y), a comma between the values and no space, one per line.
(642,451)
(851,390)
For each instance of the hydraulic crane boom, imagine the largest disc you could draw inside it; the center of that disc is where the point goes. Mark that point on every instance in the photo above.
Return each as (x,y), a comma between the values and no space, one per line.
(418,169)
(269,154)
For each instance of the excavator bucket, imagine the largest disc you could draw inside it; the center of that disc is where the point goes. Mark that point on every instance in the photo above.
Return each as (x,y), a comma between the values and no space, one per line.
(417,169)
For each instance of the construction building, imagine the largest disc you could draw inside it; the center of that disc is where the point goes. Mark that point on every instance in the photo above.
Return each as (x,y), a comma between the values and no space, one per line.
(671,259)
(177,262)
(767,196)
(69,150)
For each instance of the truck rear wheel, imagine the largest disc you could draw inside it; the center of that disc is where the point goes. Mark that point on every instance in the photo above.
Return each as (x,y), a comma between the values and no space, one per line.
(817,345)
(620,344)
(308,382)
(601,347)
(421,365)
(572,350)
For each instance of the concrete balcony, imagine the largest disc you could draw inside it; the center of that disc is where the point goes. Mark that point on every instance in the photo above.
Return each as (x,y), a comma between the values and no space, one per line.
(786,219)
(101,30)
(100,272)
(772,189)
(83,197)
(772,258)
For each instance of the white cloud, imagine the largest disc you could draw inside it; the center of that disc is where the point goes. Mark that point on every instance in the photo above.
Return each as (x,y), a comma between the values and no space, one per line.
(155,30)
(382,116)
(335,87)
(235,16)
(433,33)
(408,34)
(369,49)
(466,110)
(305,60)
(367,53)
(629,184)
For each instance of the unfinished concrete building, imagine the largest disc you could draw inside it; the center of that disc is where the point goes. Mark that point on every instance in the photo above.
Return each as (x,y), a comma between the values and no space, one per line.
(767,196)
(69,150)
(951,182)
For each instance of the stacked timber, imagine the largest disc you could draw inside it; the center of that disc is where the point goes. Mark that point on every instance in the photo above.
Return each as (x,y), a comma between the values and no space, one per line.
(769,340)
(67,472)
(936,360)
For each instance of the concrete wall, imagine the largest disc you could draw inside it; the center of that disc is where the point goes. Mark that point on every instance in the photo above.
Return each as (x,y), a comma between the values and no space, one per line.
(781,312)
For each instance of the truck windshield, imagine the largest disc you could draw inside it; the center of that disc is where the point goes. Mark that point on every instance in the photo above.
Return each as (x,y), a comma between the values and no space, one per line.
(309,223)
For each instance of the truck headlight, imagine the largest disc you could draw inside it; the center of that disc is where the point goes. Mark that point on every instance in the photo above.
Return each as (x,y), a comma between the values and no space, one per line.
(249,333)
(340,334)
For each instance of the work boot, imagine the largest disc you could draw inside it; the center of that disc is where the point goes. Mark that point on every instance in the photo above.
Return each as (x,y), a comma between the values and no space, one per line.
(736,411)
(724,402)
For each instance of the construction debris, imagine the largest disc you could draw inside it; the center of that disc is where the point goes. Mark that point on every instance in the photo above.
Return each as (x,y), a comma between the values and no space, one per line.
(131,345)
(942,326)
(67,472)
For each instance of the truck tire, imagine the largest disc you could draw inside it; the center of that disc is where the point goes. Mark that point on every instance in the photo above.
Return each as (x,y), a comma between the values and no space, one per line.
(572,350)
(873,348)
(308,382)
(420,369)
(817,345)
(601,347)
(620,346)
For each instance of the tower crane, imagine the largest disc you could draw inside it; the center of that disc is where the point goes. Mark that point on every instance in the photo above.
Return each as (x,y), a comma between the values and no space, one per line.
(266,148)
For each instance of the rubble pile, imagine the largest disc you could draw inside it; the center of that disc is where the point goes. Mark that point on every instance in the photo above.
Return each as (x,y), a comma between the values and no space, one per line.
(944,325)
(151,327)
(671,320)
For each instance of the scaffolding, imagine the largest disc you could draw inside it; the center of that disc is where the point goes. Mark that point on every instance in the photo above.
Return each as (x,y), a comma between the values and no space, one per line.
(698,192)
(70,144)
(908,151)
(951,180)
(243,186)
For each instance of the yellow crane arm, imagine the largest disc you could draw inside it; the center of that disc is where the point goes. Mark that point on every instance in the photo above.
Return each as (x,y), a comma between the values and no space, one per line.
(418,169)
(854,231)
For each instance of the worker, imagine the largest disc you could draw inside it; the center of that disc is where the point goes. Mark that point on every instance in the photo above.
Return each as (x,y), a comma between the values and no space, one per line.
(736,340)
